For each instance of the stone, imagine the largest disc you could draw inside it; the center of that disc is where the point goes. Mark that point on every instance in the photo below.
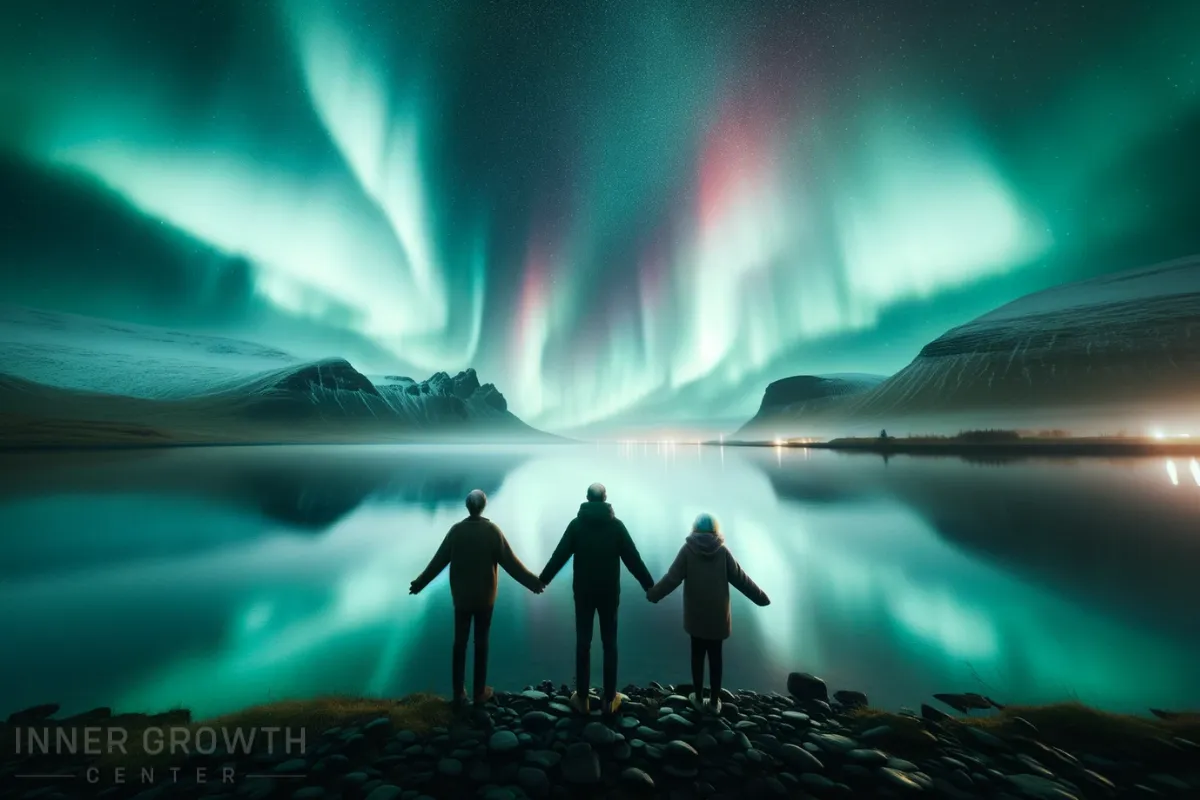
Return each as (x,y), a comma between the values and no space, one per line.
(503,742)
(636,778)
(850,699)
(534,781)
(535,695)
(385,792)
(816,783)
(675,721)
(545,759)
(681,751)
(537,721)
(898,779)
(597,733)
(796,717)
(1038,788)
(799,759)
(580,765)
(309,793)
(379,728)
(450,767)
(934,714)
(986,739)
(870,758)
(293,766)
(835,742)
(878,733)
(680,771)
(803,687)
(28,716)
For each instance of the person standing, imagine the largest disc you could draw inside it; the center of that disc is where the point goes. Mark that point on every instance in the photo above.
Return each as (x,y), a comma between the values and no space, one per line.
(599,543)
(706,569)
(472,549)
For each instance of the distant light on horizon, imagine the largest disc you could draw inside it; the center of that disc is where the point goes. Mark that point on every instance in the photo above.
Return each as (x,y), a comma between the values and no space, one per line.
(1173,473)
(1195,469)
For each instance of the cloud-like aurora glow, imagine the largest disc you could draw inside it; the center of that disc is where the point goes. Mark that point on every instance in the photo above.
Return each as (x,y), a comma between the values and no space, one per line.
(611,209)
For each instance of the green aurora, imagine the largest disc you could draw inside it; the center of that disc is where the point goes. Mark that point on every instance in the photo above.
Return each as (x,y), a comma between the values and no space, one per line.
(615,211)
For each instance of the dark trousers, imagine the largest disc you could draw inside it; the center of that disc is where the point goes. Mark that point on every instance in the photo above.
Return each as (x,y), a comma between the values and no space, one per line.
(712,649)
(462,629)
(586,610)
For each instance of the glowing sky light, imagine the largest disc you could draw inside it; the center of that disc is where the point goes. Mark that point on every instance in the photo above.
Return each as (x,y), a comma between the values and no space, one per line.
(631,214)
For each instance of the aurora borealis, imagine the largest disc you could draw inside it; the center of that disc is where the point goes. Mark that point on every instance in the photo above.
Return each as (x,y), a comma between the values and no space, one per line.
(610,210)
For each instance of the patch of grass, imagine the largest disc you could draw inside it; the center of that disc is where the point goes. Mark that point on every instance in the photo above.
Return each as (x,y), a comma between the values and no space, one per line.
(1073,725)
(417,712)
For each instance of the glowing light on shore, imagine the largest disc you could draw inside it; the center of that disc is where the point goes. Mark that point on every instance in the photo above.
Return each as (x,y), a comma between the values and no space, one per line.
(1172,473)
(1195,469)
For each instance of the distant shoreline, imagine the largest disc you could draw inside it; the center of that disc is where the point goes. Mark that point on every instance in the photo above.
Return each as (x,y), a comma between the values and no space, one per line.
(1030,446)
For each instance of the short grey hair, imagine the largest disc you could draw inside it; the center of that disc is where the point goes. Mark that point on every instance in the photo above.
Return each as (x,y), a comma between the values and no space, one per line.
(597,493)
(706,523)
(476,502)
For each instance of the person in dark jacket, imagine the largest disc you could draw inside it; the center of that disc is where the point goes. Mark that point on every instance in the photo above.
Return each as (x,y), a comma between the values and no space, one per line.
(599,542)
(472,549)
(706,569)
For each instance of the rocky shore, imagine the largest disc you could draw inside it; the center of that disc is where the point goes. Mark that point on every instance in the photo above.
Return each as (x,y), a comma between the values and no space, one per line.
(530,744)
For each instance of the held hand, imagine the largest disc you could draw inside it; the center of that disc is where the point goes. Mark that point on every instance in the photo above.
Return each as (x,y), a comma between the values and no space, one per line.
(538,588)
(412,588)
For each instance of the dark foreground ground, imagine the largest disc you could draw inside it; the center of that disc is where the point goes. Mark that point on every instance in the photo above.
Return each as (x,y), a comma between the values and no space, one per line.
(529,744)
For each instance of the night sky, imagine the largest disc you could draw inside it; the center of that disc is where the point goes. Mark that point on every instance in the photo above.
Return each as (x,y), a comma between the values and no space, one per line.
(612,210)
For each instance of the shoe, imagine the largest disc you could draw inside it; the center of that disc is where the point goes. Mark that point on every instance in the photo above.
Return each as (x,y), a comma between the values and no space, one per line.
(715,706)
(484,696)
(579,703)
(697,703)
(612,705)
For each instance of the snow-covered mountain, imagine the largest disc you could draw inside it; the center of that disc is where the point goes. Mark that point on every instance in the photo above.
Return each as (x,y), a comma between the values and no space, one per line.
(1118,352)
(65,378)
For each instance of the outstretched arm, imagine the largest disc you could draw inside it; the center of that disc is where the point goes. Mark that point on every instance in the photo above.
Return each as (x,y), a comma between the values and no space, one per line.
(671,580)
(513,566)
(562,554)
(441,559)
(633,559)
(741,581)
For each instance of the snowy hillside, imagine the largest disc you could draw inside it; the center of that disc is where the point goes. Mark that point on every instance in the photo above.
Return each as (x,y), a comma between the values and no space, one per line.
(138,381)
(1119,352)
(800,396)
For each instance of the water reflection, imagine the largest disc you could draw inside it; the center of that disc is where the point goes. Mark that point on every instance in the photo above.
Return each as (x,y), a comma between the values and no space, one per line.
(180,575)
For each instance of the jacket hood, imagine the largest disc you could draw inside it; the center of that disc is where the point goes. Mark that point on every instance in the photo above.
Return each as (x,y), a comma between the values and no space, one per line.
(595,509)
(705,543)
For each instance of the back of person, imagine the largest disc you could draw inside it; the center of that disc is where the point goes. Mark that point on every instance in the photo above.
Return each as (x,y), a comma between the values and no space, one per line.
(599,539)
(706,587)
(474,555)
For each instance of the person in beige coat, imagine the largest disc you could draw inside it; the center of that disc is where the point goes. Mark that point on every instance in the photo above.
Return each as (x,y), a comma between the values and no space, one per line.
(706,569)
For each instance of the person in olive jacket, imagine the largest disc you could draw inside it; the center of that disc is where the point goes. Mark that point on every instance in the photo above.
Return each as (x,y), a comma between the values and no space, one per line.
(706,569)
(599,542)
(472,549)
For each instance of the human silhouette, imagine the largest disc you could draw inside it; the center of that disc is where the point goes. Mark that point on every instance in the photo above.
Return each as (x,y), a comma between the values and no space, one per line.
(706,569)
(600,543)
(472,549)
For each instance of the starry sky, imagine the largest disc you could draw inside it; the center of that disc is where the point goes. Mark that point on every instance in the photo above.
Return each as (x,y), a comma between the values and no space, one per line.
(631,210)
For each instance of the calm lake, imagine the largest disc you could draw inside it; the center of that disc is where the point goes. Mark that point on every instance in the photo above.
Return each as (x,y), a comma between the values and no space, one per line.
(214,578)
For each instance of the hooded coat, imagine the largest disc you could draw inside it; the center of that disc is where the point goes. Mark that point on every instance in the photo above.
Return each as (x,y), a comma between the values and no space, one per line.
(600,543)
(706,569)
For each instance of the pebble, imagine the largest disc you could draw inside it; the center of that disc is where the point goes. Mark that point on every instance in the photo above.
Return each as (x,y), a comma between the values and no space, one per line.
(503,742)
